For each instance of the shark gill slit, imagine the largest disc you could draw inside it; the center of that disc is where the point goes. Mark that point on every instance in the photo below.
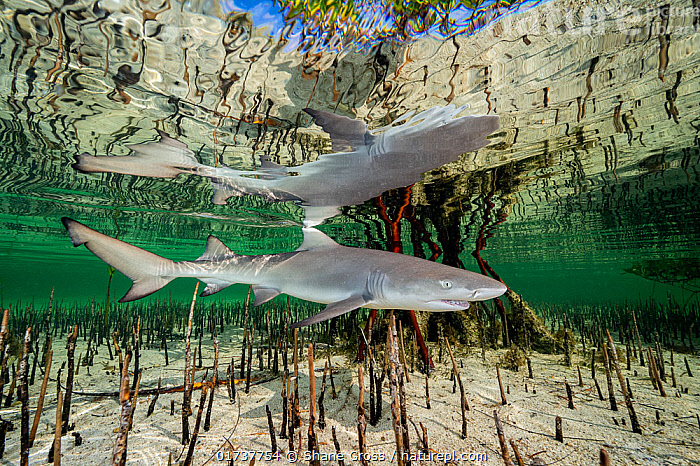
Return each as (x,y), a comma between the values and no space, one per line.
(375,286)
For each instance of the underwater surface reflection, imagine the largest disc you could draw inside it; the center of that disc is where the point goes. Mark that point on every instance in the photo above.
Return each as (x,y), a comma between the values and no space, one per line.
(372,162)
(593,170)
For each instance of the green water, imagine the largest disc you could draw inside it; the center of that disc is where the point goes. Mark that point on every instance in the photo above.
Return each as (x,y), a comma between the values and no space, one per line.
(593,171)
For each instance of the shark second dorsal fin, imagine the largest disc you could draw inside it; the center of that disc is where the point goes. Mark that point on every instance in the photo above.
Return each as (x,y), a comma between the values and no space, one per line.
(216,250)
(315,239)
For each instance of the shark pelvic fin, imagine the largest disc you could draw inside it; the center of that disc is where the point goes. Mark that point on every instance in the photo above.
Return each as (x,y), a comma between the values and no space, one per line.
(335,309)
(143,287)
(216,250)
(213,285)
(315,239)
(264,294)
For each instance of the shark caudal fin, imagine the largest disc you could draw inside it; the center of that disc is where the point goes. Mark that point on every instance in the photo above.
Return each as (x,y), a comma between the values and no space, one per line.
(166,158)
(148,271)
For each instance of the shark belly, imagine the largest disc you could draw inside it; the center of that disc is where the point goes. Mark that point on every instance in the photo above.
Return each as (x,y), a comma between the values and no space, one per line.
(306,277)
(319,276)
(240,270)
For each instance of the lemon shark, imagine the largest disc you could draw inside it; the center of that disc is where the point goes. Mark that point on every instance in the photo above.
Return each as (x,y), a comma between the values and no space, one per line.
(320,270)
(366,163)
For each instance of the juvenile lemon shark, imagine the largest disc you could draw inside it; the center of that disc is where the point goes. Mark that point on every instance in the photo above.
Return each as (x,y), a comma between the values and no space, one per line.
(320,270)
(367,163)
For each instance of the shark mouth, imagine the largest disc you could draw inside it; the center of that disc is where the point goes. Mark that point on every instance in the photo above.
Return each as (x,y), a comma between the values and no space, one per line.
(455,303)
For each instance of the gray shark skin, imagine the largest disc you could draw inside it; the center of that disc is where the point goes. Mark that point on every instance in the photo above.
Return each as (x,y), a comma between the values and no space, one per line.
(320,270)
(373,162)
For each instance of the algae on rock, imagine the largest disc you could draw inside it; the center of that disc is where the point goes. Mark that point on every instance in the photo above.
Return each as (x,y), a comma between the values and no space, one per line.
(513,359)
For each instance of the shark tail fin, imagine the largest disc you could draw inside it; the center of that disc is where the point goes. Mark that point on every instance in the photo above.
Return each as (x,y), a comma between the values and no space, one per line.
(145,269)
(85,163)
(166,158)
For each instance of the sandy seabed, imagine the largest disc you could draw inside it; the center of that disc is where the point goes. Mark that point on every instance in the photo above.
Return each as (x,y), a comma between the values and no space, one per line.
(528,417)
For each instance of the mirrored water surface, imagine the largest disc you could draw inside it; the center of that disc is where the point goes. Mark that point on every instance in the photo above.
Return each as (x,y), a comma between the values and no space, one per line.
(586,192)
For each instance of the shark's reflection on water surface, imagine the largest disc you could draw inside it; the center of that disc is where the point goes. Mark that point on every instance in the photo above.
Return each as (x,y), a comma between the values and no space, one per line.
(373,162)
(320,270)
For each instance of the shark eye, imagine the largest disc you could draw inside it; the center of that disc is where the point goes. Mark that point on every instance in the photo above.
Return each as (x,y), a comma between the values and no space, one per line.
(446,284)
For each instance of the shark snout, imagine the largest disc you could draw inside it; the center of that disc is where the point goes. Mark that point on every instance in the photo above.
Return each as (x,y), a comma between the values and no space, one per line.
(493,290)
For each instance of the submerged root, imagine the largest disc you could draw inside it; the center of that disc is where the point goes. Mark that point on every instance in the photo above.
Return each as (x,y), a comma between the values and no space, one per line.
(458,326)
(529,330)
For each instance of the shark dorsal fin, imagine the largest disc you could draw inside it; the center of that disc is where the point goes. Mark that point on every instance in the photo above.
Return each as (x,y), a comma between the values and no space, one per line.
(215,250)
(166,139)
(346,134)
(315,239)
(267,164)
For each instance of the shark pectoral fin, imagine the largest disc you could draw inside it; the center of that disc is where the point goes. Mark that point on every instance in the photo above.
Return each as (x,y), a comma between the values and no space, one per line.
(214,286)
(224,190)
(263,294)
(334,310)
